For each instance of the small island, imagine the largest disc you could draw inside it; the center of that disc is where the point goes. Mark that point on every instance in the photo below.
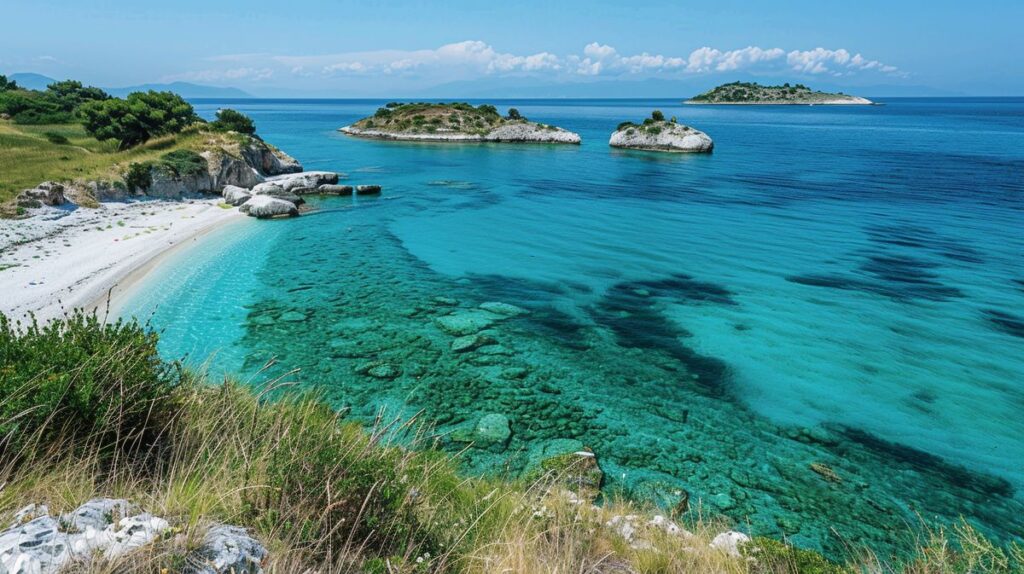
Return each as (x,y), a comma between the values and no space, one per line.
(752,93)
(657,134)
(455,122)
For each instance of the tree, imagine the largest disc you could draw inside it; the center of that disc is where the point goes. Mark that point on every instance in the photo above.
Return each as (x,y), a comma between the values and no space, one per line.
(657,116)
(229,120)
(513,114)
(6,84)
(139,117)
(70,94)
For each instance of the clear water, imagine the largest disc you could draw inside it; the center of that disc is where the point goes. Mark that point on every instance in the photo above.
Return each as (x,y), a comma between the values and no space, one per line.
(833,286)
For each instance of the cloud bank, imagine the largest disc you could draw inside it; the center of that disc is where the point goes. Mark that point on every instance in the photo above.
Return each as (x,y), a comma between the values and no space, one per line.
(475,59)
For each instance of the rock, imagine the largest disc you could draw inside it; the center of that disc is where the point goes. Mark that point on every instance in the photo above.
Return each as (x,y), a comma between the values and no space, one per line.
(492,431)
(227,169)
(332,189)
(442,301)
(268,160)
(515,373)
(234,195)
(529,132)
(505,309)
(662,136)
(103,526)
(730,542)
(227,550)
(46,193)
(380,370)
(306,180)
(471,342)
(367,190)
(264,206)
(271,189)
(466,322)
(293,317)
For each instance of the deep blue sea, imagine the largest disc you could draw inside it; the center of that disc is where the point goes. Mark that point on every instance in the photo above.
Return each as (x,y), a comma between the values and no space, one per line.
(816,331)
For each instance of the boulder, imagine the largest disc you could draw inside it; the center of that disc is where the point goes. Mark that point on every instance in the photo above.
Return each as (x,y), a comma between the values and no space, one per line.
(333,189)
(46,193)
(466,322)
(271,189)
(267,160)
(662,136)
(227,549)
(234,195)
(367,190)
(226,169)
(504,309)
(304,180)
(730,542)
(265,206)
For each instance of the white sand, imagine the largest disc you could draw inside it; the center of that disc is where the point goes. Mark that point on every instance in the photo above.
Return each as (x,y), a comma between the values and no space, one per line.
(61,259)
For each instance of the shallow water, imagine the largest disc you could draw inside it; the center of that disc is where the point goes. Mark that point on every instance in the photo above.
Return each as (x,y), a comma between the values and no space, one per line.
(833,286)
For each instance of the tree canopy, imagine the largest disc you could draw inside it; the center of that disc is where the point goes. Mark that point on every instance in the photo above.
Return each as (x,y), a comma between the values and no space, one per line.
(137,118)
(229,120)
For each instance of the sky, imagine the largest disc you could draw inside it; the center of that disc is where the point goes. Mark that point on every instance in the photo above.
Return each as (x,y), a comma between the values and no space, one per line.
(375,48)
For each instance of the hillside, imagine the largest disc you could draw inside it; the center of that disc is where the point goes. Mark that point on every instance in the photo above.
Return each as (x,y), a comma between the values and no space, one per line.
(752,93)
(455,122)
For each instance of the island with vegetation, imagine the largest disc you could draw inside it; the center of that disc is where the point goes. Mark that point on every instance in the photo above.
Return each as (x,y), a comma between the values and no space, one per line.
(455,122)
(752,93)
(658,134)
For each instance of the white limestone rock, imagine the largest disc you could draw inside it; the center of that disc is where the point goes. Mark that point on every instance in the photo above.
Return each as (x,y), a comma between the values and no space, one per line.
(265,206)
(234,195)
(227,549)
(662,136)
(730,542)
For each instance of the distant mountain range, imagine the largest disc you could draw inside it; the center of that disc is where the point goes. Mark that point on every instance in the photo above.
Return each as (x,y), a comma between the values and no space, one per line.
(183,89)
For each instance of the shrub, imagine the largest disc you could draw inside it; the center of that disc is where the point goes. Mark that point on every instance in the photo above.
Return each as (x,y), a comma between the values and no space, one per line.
(771,556)
(6,84)
(70,94)
(487,110)
(81,379)
(382,113)
(138,177)
(139,117)
(183,162)
(513,114)
(657,116)
(229,120)
(56,138)
(624,125)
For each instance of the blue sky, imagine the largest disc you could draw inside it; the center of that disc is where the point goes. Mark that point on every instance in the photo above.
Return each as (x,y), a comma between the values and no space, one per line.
(410,47)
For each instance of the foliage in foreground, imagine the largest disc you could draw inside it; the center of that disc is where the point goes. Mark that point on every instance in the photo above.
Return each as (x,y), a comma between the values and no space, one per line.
(323,493)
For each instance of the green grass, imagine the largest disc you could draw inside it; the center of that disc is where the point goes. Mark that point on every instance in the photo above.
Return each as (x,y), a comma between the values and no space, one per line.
(29,155)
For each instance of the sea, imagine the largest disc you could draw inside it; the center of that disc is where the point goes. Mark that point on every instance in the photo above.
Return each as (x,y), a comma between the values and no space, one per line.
(815,332)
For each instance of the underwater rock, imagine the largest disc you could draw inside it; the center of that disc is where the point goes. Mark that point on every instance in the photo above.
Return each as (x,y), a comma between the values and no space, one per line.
(442,301)
(492,431)
(380,370)
(515,373)
(293,317)
(505,309)
(825,472)
(664,494)
(333,189)
(471,342)
(469,322)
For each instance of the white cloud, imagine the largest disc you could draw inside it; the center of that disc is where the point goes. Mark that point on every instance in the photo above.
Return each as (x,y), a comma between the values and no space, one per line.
(473,59)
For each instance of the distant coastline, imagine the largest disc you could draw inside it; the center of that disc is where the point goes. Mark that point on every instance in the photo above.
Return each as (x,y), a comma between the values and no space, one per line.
(754,94)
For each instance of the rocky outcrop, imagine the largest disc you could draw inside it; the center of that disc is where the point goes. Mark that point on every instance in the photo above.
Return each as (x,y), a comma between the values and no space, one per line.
(268,160)
(37,543)
(730,542)
(662,136)
(265,206)
(518,132)
(274,190)
(304,182)
(367,190)
(330,189)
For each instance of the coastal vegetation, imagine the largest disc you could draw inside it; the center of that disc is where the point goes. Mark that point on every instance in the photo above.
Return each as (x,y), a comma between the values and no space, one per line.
(457,121)
(88,408)
(754,93)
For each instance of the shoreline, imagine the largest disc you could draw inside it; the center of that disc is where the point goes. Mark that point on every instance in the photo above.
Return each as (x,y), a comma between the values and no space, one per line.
(821,103)
(54,262)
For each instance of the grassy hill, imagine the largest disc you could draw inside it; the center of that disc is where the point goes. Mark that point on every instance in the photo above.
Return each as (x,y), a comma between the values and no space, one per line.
(436,118)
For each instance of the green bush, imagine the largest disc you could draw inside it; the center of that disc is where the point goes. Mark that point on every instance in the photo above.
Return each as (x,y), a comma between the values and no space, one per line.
(772,556)
(6,84)
(70,94)
(488,110)
(513,114)
(56,138)
(138,118)
(182,163)
(624,125)
(83,380)
(138,177)
(229,120)
(657,116)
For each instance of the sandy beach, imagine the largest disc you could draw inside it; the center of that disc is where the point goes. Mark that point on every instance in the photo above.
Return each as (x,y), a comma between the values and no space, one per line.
(61,259)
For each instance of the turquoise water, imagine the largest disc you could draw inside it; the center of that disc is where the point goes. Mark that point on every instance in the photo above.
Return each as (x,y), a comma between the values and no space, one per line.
(833,287)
